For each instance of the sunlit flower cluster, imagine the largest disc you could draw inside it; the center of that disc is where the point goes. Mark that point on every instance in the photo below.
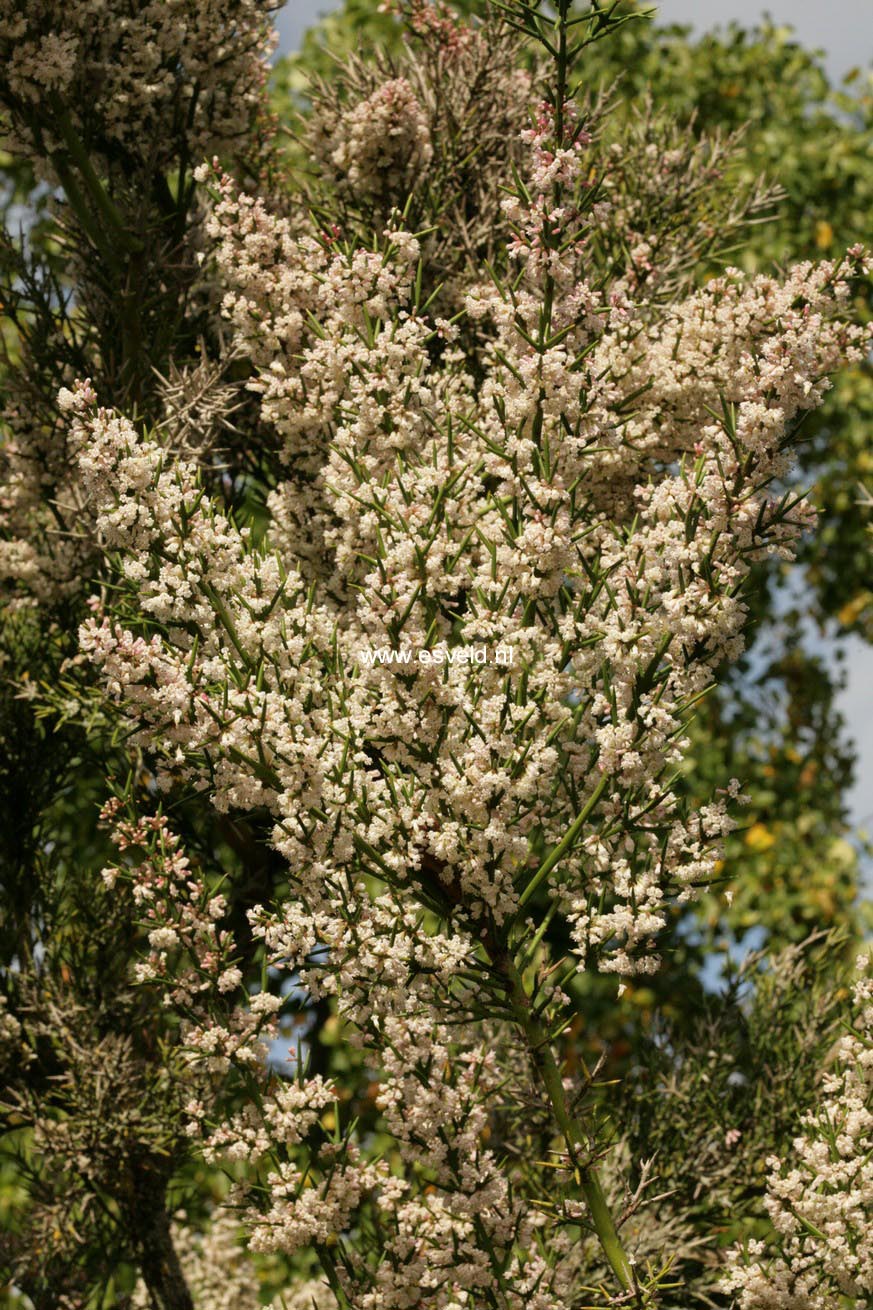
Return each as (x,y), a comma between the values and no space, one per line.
(593,503)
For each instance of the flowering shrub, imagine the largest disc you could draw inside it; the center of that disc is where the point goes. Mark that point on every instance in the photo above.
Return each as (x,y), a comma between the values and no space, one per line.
(818,1200)
(565,461)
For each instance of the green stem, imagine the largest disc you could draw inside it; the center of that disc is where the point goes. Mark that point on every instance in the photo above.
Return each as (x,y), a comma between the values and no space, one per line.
(562,63)
(102,201)
(570,1127)
(80,208)
(567,842)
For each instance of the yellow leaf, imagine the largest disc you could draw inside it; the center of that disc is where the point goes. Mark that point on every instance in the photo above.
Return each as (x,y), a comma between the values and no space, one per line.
(854,608)
(824,234)
(842,853)
(824,901)
(759,838)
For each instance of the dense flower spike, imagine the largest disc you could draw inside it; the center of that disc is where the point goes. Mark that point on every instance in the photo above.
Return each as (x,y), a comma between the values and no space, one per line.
(594,553)
(381,145)
(435,138)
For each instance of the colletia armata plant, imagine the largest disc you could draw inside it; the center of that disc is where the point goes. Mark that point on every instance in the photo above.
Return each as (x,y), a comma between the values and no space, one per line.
(449,672)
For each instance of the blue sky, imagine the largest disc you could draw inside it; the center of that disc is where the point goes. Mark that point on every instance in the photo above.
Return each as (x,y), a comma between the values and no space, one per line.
(843,30)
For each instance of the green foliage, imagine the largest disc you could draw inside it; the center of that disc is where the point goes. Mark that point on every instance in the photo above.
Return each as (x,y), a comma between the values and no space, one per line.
(710,1101)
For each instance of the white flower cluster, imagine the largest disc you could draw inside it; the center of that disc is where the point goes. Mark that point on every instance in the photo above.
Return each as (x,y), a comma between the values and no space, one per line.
(108,102)
(820,1199)
(437,1084)
(188,947)
(220,1276)
(147,72)
(594,501)
(379,146)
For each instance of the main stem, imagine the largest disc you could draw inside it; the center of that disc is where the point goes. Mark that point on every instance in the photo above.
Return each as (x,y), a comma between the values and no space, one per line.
(571,1129)
(159,1260)
(536,1036)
